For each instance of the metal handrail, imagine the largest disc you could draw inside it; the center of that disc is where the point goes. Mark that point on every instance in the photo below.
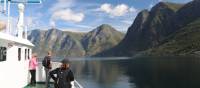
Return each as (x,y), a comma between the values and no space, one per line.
(78,85)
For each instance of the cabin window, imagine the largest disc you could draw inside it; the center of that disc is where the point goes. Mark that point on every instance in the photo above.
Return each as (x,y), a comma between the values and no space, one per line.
(3,52)
(25,54)
(28,53)
(19,54)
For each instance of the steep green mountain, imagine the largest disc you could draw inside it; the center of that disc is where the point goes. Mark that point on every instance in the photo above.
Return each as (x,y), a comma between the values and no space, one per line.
(64,43)
(188,13)
(102,38)
(148,30)
(186,41)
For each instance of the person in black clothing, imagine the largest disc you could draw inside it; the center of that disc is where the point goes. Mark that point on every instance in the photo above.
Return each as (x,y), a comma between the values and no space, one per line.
(47,67)
(64,75)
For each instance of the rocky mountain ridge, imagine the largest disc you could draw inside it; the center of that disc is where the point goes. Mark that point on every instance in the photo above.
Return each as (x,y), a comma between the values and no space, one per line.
(72,44)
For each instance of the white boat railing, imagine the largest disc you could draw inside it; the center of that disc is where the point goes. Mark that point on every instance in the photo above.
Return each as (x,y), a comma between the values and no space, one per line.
(77,85)
(40,75)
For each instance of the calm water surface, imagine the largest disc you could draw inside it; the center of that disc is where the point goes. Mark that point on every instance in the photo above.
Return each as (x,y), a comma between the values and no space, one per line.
(146,72)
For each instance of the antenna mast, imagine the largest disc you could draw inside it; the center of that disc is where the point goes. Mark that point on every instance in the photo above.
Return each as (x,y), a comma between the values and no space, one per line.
(8,23)
(3,7)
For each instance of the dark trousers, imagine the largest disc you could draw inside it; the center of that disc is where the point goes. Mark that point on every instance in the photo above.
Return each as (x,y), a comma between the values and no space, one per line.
(47,77)
(33,77)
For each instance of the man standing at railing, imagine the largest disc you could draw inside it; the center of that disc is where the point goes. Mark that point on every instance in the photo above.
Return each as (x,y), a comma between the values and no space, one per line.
(64,75)
(47,67)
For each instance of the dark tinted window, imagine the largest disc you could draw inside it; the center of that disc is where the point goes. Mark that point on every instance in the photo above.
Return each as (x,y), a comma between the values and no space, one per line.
(28,53)
(19,54)
(3,52)
(25,55)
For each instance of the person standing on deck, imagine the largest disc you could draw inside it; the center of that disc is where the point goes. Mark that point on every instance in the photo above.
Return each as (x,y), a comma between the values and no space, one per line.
(32,68)
(64,75)
(47,67)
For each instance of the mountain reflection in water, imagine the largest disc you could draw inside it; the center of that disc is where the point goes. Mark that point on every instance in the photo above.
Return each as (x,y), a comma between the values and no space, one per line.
(146,72)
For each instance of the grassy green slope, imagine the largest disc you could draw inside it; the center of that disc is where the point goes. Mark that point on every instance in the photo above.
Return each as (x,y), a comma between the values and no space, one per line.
(184,42)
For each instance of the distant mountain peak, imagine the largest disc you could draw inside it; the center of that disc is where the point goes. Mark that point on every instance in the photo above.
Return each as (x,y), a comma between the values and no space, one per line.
(173,6)
(139,21)
(99,36)
(144,11)
(196,0)
(104,28)
(105,25)
(54,29)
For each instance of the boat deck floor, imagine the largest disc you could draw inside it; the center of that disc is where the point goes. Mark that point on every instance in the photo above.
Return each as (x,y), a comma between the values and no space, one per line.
(39,85)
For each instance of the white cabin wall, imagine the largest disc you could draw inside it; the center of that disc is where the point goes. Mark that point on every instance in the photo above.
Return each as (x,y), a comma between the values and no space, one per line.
(14,73)
(3,67)
(3,74)
(22,68)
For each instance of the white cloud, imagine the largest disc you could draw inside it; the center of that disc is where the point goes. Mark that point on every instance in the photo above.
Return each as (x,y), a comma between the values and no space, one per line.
(67,15)
(106,7)
(118,10)
(132,9)
(61,11)
(129,22)
(81,26)
(62,4)
(150,6)
(76,30)
(53,24)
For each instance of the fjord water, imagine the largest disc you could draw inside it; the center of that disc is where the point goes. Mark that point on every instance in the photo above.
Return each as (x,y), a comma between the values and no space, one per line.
(145,72)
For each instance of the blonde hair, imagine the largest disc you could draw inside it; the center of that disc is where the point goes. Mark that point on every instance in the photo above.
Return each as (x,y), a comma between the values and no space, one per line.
(34,54)
(49,53)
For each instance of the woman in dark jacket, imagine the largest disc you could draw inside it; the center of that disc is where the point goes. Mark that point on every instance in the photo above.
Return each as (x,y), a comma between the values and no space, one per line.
(64,75)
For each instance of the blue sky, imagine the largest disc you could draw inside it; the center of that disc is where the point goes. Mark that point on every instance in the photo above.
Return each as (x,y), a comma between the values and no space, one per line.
(83,15)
